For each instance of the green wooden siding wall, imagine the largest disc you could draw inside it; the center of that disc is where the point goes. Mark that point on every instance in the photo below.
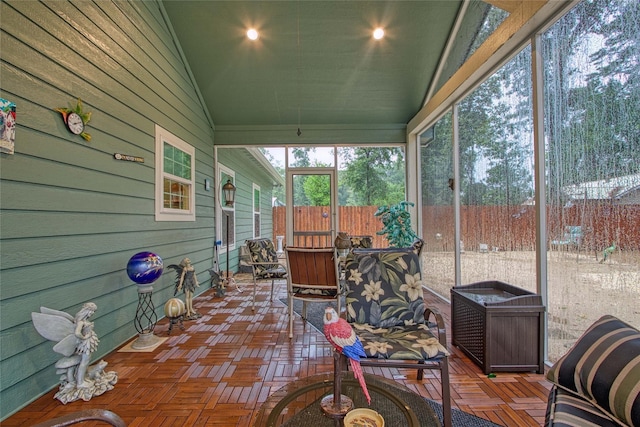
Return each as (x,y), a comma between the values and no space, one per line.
(72,215)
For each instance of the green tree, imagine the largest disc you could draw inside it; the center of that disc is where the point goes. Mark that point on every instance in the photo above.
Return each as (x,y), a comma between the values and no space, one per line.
(317,189)
(301,160)
(374,175)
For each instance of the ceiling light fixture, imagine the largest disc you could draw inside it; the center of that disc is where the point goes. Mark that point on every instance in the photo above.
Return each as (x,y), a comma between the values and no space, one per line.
(378,33)
(252,34)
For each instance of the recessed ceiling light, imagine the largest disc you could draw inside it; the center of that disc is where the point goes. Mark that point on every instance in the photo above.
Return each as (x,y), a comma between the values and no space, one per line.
(252,34)
(378,33)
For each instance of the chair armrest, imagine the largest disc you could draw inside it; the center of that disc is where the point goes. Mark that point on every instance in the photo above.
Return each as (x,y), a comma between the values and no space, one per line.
(275,265)
(439,322)
(266,263)
(84,415)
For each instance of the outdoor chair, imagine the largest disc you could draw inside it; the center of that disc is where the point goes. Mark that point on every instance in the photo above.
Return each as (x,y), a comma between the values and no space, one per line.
(361,242)
(571,239)
(312,276)
(264,264)
(386,309)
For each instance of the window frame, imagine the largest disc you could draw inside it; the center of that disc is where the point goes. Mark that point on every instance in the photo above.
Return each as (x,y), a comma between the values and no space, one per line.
(163,213)
(257,214)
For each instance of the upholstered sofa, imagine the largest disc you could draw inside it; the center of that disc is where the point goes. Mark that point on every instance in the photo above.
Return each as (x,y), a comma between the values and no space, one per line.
(597,383)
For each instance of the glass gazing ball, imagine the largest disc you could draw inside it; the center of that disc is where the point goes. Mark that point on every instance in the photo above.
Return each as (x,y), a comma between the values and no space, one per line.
(144,268)
(174,307)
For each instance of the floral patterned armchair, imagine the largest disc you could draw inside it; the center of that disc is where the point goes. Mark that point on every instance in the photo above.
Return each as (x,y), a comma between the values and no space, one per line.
(264,264)
(385,306)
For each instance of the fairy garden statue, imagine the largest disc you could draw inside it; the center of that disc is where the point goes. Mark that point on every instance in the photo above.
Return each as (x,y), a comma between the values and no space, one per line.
(76,340)
(187,282)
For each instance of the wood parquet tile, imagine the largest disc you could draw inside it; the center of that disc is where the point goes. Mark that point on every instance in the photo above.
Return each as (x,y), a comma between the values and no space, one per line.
(223,366)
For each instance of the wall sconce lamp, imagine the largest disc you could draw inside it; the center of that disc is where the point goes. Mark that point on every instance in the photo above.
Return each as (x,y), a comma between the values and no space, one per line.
(229,191)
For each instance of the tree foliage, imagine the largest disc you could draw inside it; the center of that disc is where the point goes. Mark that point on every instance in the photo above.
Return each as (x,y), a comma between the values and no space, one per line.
(374,175)
(592,94)
(592,76)
(317,189)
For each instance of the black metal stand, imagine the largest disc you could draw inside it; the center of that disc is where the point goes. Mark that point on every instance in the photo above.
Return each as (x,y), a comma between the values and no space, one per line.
(332,407)
(176,321)
(146,318)
(227,265)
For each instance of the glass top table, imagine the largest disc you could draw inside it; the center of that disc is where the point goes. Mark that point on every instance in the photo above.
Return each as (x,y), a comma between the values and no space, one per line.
(298,403)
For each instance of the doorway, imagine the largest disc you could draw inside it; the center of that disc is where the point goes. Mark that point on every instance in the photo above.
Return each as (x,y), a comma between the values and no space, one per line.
(311,212)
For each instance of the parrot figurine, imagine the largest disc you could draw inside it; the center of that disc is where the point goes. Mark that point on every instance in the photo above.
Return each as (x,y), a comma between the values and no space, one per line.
(340,334)
(607,252)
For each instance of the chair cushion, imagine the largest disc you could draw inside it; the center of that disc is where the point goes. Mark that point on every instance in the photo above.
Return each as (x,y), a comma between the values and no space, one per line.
(565,409)
(262,250)
(302,291)
(384,287)
(410,342)
(603,367)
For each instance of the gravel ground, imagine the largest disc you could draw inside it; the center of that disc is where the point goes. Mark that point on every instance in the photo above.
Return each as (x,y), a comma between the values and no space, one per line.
(581,288)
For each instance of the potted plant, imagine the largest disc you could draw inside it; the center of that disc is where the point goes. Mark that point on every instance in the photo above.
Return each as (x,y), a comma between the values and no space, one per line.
(397,224)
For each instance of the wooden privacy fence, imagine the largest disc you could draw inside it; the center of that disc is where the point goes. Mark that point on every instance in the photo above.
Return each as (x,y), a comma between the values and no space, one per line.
(355,220)
(508,228)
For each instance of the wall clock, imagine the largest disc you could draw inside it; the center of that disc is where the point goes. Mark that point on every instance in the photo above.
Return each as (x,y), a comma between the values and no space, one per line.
(75,120)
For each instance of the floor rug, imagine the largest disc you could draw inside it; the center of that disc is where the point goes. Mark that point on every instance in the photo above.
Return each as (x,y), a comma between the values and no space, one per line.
(315,312)
(460,418)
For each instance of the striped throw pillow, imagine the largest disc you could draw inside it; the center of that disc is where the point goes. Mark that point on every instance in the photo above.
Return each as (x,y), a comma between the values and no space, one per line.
(565,409)
(603,367)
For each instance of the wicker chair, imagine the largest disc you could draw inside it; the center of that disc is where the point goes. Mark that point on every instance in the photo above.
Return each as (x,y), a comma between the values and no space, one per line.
(385,306)
(264,264)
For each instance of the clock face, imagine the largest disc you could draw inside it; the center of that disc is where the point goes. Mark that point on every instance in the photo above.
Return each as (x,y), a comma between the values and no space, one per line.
(75,123)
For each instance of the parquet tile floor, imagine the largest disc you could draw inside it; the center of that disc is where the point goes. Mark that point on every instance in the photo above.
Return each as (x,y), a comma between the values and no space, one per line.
(223,366)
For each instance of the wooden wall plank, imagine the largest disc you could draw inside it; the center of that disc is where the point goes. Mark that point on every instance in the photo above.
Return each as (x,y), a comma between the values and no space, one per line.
(72,215)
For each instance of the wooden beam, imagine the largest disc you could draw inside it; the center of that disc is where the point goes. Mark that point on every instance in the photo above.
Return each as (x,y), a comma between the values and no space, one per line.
(508,5)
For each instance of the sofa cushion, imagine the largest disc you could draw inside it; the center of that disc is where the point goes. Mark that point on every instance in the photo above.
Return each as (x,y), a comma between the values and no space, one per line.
(603,367)
(565,409)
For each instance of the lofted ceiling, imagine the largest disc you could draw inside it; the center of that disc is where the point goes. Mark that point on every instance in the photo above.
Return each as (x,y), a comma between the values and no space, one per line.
(315,62)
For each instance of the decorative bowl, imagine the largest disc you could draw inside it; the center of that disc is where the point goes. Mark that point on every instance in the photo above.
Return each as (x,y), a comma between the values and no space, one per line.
(363,417)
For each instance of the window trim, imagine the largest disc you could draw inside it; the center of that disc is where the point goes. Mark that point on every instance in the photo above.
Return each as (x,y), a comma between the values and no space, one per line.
(232,209)
(168,214)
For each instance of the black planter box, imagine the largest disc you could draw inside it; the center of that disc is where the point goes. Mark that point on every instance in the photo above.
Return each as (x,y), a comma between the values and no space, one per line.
(499,326)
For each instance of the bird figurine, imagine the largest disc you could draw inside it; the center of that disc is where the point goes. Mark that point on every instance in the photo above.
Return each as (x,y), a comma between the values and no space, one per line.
(340,334)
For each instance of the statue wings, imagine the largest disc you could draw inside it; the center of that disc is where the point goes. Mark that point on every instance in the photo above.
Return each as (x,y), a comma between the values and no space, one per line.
(178,268)
(56,326)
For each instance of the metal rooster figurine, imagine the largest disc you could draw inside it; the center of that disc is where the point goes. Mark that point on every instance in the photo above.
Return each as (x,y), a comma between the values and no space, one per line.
(340,334)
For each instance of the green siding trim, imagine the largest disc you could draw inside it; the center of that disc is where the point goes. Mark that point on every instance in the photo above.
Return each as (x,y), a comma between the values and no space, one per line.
(72,215)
